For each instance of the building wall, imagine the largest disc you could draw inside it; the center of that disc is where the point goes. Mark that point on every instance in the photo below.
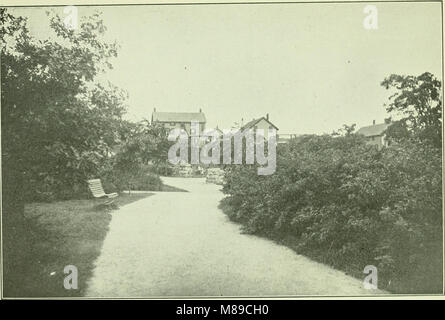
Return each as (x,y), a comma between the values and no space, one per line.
(181,125)
(378,141)
(263,124)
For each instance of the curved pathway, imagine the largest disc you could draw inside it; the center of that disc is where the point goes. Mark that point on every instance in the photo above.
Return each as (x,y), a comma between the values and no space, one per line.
(181,244)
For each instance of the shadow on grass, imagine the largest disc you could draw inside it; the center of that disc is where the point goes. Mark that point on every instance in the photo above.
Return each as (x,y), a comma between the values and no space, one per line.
(56,235)
(168,188)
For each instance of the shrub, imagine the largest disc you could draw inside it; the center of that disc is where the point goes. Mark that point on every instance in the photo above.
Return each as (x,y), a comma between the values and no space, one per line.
(138,178)
(349,204)
(146,182)
(163,169)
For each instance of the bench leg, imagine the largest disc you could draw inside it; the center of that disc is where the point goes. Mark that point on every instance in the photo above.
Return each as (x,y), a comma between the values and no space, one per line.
(109,203)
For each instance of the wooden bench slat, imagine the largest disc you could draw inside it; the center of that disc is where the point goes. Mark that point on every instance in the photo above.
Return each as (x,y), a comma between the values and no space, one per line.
(96,188)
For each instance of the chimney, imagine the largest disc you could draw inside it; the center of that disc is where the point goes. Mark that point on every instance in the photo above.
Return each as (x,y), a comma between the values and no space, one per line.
(267,116)
(373,122)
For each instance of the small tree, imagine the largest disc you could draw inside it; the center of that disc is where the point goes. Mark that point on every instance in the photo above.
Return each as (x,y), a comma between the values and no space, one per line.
(417,100)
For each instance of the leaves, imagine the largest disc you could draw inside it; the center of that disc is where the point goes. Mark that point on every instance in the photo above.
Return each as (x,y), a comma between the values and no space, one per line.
(417,101)
(349,204)
(57,122)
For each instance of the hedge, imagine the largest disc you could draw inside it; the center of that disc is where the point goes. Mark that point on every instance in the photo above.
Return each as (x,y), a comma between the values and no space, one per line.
(348,204)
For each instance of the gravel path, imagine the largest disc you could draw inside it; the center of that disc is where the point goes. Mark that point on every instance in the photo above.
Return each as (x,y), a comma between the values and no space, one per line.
(181,244)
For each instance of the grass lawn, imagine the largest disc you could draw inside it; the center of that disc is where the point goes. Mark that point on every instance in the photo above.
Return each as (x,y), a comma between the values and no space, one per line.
(61,233)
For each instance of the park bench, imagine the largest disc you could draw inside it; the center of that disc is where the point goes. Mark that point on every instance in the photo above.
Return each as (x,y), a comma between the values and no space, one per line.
(98,192)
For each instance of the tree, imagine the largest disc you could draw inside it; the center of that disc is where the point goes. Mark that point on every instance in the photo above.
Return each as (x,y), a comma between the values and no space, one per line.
(58,124)
(417,100)
(346,130)
(141,144)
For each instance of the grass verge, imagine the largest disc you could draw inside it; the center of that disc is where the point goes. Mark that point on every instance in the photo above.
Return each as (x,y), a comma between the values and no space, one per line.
(60,234)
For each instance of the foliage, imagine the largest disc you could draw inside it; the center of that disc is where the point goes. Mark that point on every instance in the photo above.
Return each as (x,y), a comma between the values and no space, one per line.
(142,148)
(163,169)
(146,182)
(346,130)
(58,124)
(418,102)
(349,205)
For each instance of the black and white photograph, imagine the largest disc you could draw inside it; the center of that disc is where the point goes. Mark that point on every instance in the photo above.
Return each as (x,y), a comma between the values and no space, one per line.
(222,150)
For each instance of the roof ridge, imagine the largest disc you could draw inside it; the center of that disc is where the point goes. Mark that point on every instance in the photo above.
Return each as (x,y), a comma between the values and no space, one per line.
(373,130)
(172,116)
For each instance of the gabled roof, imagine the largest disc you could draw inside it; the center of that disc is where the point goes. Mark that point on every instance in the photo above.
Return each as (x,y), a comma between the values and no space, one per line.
(374,130)
(215,129)
(252,123)
(178,116)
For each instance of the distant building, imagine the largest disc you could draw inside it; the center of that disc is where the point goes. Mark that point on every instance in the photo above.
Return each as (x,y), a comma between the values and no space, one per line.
(213,130)
(286,137)
(260,123)
(217,129)
(180,120)
(375,134)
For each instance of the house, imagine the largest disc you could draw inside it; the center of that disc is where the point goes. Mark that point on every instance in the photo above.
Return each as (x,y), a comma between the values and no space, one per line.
(375,134)
(260,123)
(180,120)
(217,130)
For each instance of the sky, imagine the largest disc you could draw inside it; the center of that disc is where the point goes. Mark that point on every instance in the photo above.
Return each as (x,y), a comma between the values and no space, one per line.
(311,67)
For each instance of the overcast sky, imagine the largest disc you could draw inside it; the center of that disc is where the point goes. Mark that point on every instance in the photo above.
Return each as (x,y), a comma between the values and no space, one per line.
(312,67)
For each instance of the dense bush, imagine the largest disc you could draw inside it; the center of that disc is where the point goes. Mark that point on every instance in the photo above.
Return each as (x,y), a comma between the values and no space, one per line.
(349,204)
(137,161)
(147,181)
(140,178)
(163,169)
(49,189)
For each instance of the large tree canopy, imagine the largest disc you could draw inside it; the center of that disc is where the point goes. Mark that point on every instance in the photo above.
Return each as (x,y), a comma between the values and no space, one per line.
(58,123)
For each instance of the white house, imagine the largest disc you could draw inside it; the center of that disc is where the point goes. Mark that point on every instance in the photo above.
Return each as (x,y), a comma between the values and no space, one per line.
(375,134)
(180,120)
(260,123)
